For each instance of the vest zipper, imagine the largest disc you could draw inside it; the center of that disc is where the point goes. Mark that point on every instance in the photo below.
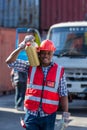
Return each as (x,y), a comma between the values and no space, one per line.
(42,94)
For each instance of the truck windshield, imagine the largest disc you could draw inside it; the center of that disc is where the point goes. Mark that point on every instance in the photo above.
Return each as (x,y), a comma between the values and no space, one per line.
(69,41)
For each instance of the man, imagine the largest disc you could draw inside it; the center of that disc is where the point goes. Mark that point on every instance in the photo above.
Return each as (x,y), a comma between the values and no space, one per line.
(19,82)
(46,87)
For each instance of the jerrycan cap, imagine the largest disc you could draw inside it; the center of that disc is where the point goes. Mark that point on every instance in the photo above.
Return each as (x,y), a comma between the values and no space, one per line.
(28,44)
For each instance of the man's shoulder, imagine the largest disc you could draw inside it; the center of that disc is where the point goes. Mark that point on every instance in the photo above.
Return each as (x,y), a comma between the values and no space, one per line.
(58,65)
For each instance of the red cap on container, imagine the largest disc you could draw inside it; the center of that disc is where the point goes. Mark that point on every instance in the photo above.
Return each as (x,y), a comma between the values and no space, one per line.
(28,44)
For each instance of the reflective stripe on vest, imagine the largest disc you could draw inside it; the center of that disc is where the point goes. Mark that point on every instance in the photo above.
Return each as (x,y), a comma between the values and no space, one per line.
(43,100)
(32,75)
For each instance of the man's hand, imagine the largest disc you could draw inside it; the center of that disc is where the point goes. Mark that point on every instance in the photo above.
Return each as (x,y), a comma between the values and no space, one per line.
(28,38)
(65,117)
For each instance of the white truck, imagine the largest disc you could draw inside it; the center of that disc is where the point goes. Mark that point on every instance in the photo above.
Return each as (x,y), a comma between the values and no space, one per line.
(70,39)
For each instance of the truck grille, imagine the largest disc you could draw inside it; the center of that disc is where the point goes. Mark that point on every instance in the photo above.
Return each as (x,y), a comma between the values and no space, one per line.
(76,74)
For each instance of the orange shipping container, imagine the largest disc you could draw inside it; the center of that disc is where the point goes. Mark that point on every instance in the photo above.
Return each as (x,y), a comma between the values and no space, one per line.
(7,45)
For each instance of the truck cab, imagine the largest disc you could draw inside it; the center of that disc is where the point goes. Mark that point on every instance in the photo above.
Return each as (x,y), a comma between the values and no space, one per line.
(70,39)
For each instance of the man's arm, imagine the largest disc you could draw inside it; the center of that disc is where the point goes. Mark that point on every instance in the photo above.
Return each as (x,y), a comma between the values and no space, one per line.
(64,100)
(12,57)
(64,103)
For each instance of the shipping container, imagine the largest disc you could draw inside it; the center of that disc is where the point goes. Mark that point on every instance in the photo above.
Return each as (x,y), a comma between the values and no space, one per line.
(56,11)
(7,45)
(40,14)
(19,13)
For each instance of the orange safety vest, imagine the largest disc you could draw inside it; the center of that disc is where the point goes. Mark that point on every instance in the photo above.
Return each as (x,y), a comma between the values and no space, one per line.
(44,93)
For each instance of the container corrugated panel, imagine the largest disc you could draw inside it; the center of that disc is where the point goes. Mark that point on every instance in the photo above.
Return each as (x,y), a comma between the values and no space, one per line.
(55,11)
(7,45)
(18,13)
(1,11)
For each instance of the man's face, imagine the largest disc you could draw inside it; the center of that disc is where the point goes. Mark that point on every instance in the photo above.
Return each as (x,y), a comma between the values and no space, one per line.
(77,43)
(45,57)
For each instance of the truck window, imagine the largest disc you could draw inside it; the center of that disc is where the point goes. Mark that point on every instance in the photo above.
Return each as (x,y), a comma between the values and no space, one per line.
(70,40)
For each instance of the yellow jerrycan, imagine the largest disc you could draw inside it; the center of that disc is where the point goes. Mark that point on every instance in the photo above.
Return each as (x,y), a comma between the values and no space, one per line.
(32,53)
